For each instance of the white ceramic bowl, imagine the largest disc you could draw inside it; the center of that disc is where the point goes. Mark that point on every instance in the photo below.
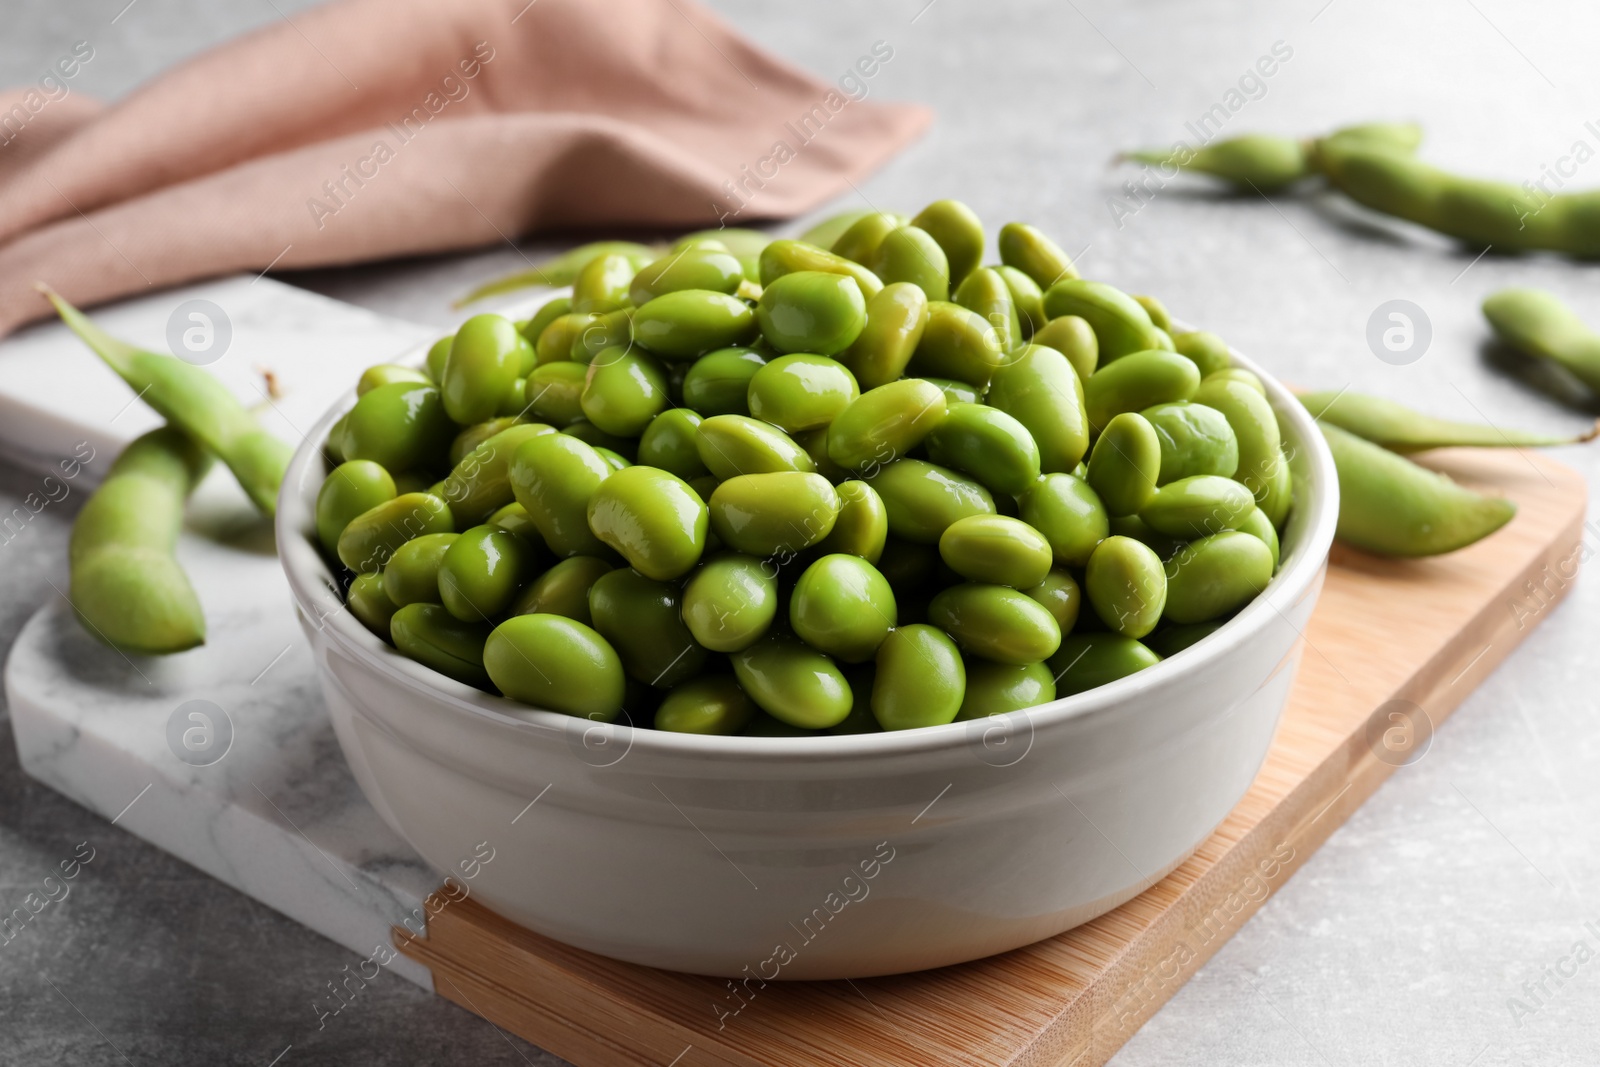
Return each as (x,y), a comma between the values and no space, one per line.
(826,857)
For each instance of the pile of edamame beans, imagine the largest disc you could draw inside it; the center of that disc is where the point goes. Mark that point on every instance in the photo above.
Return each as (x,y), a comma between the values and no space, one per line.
(847,483)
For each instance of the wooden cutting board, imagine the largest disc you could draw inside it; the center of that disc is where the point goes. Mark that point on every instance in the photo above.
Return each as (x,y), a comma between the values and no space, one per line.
(1391,650)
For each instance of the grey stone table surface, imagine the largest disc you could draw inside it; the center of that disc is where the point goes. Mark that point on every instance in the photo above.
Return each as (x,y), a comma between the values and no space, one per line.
(1450,921)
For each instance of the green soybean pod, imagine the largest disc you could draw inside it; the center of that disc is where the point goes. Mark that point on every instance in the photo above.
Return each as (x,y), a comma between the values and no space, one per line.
(862,527)
(684,324)
(1061,596)
(811,311)
(842,606)
(1120,324)
(922,499)
(438,352)
(624,391)
(1170,640)
(1215,576)
(557,663)
(1027,298)
(988,444)
(1195,439)
(555,344)
(434,638)
(1390,506)
(718,383)
(1208,351)
(688,268)
(398,427)
(1538,324)
(643,620)
(388,374)
(1087,661)
(1256,524)
(986,294)
(554,392)
(1040,389)
(1198,506)
(553,476)
(1125,464)
(1125,585)
(997,550)
(920,679)
(910,254)
(1070,515)
(652,518)
(411,576)
(1030,251)
(1072,336)
(862,238)
(730,602)
(713,705)
(801,392)
(370,604)
(788,257)
(1400,429)
(482,571)
(885,423)
(996,622)
(548,312)
(959,233)
(126,584)
(485,358)
(1136,382)
(371,538)
(1256,161)
(896,319)
(480,484)
(563,589)
(768,514)
(1255,429)
(957,343)
(349,489)
(793,683)
(603,283)
(998,688)
(731,445)
(669,443)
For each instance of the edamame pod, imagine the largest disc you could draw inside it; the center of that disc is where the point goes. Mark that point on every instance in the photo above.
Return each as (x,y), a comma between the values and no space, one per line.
(1126,586)
(556,663)
(1125,464)
(1538,324)
(801,392)
(957,343)
(729,603)
(842,606)
(1137,382)
(1087,661)
(563,589)
(996,550)
(652,518)
(1198,506)
(1400,429)
(1257,161)
(731,445)
(643,621)
(768,514)
(793,683)
(553,476)
(480,484)
(1072,336)
(896,319)
(412,574)
(1030,251)
(788,257)
(434,638)
(689,268)
(910,254)
(624,391)
(1215,576)
(482,571)
(811,311)
(862,526)
(885,423)
(684,324)
(349,489)
(1120,325)
(998,688)
(920,679)
(711,705)
(1040,389)
(485,358)
(372,537)
(922,499)
(718,383)
(996,622)
(669,443)
(959,233)
(1069,514)
(988,444)
(1195,439)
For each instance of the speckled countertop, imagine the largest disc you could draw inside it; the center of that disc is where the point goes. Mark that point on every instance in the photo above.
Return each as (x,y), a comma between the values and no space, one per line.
(1450,922)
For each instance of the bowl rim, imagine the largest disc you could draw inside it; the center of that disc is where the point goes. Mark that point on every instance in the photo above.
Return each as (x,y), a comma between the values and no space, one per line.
(307,572)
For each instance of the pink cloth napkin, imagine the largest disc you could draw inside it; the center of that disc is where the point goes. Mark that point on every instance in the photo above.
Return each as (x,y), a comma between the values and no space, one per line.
(371,128)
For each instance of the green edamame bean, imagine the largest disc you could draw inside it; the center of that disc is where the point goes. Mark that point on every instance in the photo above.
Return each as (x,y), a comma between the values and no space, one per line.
(1393,507)
(554,476)
(388,374)
(922,499)
(482,571)
(1133,526)
(603,284)
(1170,640)
(1157,312)
(1125,464)
(1207,351)
(621,448)
(1069,514)
(563,589)
(801,392)
(986,293)
(767,514)
(1216,575)
(862,526)
(1255,428)
(811,311)
(996,622)
(434,638)
(957,392)
(910,254)
(988,444)
(827,232)
(548,312)
(556,663)
(842,606)
(1061,596)
(788,257)
(513,518)
(437,354)
(997,688)
(643,620)
(1256,524)
(607,330)
(957,343)
(711,705)
(554,392)
(920,679)
(959,233)
(1195,439)
(735,239)
(1538,324)
(556,343)
(1087,661)
(669,443)
(1120,324)
(729,603)
(1400,429)
(412,574)
(652,518)
(485,358)
(793,683)
(370,604)
(1137,382)
(1040,389)
(371,538)
(731,445)
(862,238)
(480,484)
(996,550)
(515,402)
(398,426)
(896,319)
(1237,374)
(860,720)
(1072,336)
(1126,586)
(684,324)
(624,391)
(1254,160)
(348,490)
(1198,506)
(1030,251)
(885,423)
(718,383)
(815,444)
(691,268)
(1279,495)
(560,270)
